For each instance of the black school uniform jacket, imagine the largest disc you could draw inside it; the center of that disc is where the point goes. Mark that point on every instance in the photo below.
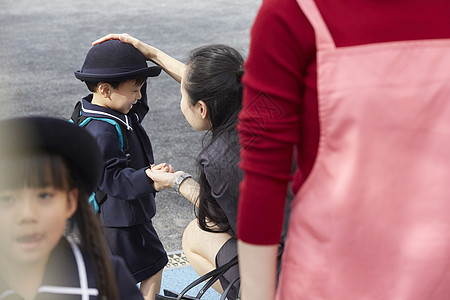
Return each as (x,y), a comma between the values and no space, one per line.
(69,275)
(130,197)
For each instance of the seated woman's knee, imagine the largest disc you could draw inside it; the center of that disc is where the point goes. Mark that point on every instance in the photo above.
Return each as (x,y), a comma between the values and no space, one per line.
(189,239)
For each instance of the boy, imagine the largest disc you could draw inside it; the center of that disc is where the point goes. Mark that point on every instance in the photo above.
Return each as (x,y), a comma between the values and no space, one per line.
(116,75)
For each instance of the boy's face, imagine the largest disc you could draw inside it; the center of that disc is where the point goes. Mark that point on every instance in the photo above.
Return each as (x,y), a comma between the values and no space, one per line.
(32,221)
(125,96)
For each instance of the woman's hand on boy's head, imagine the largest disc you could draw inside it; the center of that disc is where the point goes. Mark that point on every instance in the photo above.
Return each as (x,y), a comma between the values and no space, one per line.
(123,37)
(146,50)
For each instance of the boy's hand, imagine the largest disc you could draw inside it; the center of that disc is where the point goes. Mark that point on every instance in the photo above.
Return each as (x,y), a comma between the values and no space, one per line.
(163,176)
(162,167)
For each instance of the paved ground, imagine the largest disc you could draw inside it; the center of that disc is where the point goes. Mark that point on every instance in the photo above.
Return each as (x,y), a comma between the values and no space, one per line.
(44,41)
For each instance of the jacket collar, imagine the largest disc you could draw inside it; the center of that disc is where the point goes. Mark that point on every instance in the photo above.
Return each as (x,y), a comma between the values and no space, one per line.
(95,111)
(65,274)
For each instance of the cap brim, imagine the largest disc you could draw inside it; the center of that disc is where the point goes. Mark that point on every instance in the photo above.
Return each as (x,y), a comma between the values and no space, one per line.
(88,75)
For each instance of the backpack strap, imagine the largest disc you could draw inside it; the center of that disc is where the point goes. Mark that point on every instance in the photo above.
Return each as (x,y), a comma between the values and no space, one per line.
(98,197)
(82,121)
(121,131)
(76,114)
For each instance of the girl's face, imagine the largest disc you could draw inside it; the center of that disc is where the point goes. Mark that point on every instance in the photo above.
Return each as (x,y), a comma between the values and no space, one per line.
(196,115)
(32,221)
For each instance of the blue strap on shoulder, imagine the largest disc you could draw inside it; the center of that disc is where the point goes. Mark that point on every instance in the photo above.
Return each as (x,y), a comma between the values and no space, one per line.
(93,203)
(112,122)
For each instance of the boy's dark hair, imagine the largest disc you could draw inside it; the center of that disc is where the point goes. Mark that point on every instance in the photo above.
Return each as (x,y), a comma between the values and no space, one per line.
(92,85)
(213,75)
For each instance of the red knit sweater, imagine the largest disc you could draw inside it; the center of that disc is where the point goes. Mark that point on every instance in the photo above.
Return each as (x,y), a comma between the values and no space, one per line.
(279,115)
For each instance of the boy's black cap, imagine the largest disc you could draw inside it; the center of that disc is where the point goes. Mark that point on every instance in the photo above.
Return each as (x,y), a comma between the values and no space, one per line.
(26,135)
(114,60)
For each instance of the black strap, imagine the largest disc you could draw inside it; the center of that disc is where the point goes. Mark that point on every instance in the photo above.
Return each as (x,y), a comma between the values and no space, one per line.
(100,197)
(76,114)
(125,149)
(213,276)
(227,290)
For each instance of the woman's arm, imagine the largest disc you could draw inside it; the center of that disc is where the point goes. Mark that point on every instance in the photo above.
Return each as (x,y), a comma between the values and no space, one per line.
(189,188)
(257,267)
(280,51)
(170,65)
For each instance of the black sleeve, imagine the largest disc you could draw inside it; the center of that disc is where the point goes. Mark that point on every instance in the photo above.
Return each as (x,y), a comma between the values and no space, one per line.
(141,108)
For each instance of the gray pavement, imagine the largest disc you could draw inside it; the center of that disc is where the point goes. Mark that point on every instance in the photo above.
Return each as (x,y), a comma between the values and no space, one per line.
(44,41)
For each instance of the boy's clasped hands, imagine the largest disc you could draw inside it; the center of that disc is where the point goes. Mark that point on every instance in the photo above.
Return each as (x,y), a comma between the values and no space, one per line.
(163,176)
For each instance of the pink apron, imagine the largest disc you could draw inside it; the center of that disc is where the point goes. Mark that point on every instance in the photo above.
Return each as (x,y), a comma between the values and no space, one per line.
(373,219)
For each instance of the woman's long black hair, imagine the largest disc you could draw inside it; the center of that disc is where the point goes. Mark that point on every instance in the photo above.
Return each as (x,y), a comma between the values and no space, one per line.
(214,76)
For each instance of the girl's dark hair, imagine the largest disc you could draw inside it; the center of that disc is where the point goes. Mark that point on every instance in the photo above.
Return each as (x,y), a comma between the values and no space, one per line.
(92,85)
(44,169)
(213,76)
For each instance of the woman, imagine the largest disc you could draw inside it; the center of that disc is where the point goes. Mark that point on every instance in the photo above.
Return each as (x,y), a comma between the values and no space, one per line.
(211,92)
(361,95)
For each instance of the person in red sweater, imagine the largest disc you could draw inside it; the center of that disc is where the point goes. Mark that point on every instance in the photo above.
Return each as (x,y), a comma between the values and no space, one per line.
(357,89)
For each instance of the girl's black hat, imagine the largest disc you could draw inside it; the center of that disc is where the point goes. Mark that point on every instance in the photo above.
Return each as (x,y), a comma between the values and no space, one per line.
(26,135)
(114,60)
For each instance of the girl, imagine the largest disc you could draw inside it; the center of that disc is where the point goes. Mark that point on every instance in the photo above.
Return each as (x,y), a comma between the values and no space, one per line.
(211,99)
(48,167)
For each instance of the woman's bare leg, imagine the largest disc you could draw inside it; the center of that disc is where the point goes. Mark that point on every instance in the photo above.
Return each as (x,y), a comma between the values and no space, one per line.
(201,247)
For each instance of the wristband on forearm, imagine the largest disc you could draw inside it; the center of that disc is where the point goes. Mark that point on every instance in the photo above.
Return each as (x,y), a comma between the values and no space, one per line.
(179,181)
